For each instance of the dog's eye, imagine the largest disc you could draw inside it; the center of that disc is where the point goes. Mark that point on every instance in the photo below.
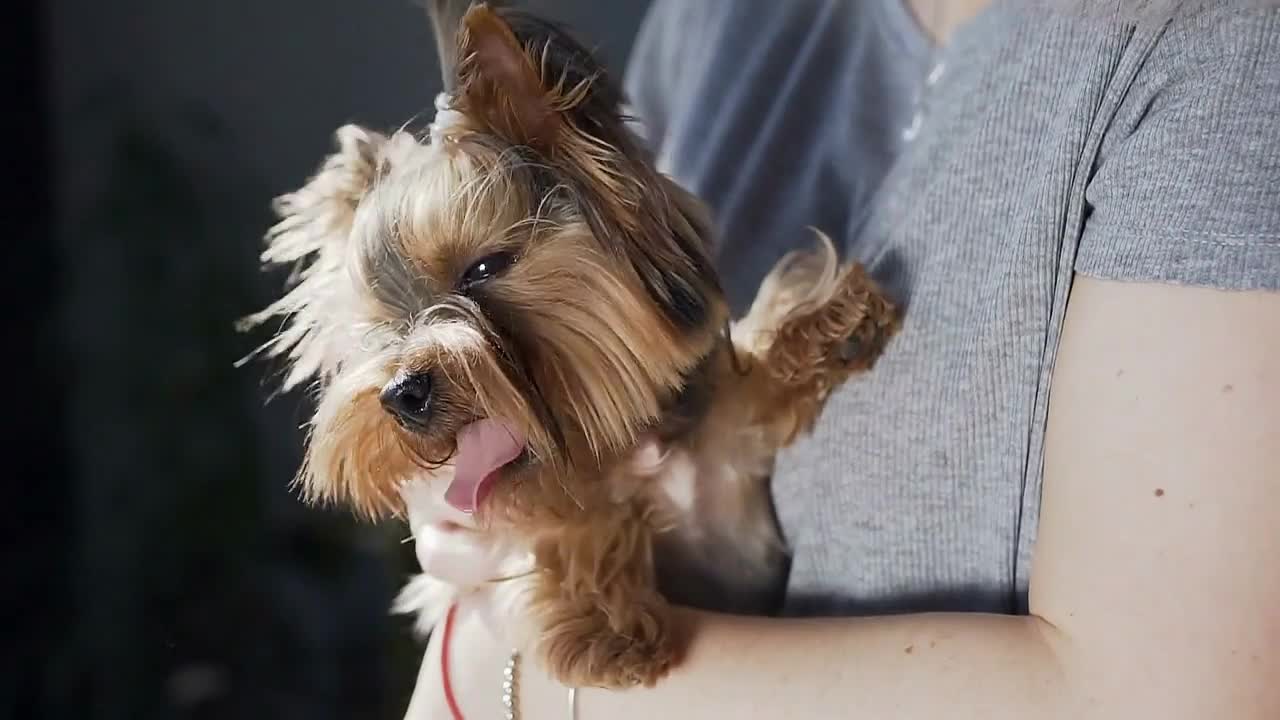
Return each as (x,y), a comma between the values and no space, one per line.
(486,268)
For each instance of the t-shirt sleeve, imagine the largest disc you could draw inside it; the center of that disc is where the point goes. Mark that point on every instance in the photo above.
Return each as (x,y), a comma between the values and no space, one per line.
(1186,188)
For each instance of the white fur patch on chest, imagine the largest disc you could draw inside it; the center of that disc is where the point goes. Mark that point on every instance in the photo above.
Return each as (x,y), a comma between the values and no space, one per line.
(678,479)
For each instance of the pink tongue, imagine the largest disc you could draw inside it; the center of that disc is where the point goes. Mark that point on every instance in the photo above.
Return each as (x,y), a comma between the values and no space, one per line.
(484,447)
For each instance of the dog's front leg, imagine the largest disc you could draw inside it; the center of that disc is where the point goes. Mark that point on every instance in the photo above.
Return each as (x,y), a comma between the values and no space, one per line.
(602,621)
(813,346)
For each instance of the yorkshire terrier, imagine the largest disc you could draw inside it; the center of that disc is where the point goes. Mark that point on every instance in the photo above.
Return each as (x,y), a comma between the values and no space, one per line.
(521,309)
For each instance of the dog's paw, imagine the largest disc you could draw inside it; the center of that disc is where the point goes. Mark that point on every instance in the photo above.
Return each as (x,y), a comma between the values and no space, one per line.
(589,645)
(822,343)
(866,317)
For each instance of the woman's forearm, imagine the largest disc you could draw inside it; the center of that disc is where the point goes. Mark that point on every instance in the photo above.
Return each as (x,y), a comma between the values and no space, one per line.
(901,667)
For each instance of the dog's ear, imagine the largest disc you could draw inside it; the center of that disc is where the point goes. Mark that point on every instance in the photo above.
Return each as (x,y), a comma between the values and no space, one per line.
(499,81)
(532,84)
(446,19)
(312,236)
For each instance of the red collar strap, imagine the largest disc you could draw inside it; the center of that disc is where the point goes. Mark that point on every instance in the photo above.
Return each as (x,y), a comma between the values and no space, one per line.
(444,665)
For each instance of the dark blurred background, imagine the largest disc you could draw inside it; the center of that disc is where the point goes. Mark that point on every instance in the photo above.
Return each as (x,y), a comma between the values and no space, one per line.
(157,564)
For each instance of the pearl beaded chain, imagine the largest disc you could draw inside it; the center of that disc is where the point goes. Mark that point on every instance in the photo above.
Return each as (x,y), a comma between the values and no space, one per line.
(511,686)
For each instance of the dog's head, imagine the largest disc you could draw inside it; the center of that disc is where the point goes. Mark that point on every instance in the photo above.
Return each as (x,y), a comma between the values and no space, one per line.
(516,295)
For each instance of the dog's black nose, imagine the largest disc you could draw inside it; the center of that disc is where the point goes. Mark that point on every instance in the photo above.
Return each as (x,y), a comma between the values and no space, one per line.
(408,398)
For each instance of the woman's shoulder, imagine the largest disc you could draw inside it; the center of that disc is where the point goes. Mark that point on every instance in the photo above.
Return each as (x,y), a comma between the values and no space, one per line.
(1240,37)
(1183,188)
(1178,48)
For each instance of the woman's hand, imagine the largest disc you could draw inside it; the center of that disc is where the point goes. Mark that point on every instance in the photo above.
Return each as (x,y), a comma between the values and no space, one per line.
(453,549)
(477,655)
(449,544)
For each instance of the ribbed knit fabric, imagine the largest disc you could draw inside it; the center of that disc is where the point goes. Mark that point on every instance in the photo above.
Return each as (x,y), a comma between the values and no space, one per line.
(1047,146)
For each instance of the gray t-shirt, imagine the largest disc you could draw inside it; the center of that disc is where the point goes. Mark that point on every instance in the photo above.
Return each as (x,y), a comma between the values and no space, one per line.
(1043,145)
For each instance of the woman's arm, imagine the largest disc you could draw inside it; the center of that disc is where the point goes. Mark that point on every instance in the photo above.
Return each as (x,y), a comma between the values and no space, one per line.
(1158,556)
(1156,585)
